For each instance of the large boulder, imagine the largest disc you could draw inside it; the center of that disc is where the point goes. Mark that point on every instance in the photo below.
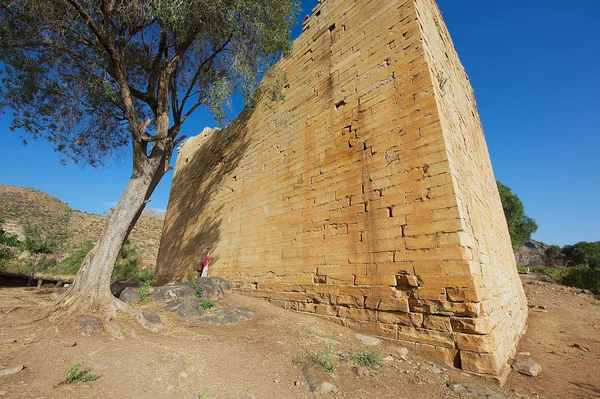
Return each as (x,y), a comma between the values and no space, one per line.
(169,292)
(213,288)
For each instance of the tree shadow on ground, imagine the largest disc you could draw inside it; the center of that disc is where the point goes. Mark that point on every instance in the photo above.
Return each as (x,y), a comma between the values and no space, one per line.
(192,228)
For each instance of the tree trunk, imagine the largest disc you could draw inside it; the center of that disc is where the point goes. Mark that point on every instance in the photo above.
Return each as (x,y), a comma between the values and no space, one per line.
(90,291)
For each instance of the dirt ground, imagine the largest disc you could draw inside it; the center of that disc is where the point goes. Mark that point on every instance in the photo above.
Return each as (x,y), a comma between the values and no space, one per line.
(262,358)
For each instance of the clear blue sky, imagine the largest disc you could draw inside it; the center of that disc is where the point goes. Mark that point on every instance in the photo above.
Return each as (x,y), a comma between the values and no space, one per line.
(535,68)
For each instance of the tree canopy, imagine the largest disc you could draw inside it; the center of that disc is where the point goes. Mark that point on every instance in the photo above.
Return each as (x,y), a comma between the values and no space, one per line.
(520,226)
(87,75)
(94,76)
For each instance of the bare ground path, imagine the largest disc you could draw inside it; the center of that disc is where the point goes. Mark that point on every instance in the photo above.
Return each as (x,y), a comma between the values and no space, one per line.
(262,358)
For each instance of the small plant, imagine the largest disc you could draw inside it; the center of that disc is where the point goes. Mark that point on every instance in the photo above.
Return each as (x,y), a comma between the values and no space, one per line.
(199,292)
(368,359)
(144,290)
(77,374)
(325,359)
(206,305)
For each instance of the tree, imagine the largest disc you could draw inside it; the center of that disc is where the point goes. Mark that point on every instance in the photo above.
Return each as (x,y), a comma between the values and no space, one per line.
(96,76)
(582,253)
(553,256)
(36,246)
(520,226)
(8,243)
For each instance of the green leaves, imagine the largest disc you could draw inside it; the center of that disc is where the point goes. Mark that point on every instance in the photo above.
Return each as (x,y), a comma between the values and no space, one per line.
(520,226)
(85,77)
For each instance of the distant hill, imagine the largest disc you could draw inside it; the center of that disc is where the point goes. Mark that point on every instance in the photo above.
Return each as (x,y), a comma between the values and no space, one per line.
(68,228)
(531,254)
(153,214)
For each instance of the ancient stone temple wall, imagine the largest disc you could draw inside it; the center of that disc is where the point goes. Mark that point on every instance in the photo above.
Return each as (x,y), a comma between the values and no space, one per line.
(365,196)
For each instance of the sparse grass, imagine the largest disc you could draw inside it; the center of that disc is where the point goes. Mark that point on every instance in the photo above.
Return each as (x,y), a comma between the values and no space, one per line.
(371,360)
(199,292)
(77,374)
(207,305)
(522,269)
(144,290)
(205,396)
(325,359)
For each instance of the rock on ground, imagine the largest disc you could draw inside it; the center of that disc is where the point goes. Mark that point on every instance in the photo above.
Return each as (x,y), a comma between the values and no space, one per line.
(171,291)
(317,378)
(12,370)
(368,340)
(221,316)
(89,324)
(130,295)
(190,309)
(527,367)
(474,390)
(213,288)
(151,320)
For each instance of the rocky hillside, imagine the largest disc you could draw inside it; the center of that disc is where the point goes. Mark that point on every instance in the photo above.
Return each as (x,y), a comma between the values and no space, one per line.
(531,254)
(69,229)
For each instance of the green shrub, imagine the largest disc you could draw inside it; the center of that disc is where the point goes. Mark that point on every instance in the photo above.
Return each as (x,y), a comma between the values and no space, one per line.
(325,359)
(368,359)
(144,291)
(70,266)
(45,263)
(580,277)
(77,374)
(207,305)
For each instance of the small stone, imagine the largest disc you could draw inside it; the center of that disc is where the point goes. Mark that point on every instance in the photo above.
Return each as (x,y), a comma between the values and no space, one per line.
(8,341)
(12,370)
(69,344)
(523,354)
(579,346)
(317,378)
(2,393)
(150,320)
(527,367)
(89,324)
(359,371)
(368,340)
(298,383)
(471,389)
(388,359)
(435,369)
(403,351)
(173,306)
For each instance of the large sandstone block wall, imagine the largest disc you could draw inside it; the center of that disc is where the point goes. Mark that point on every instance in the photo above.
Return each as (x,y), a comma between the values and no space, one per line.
(366,196)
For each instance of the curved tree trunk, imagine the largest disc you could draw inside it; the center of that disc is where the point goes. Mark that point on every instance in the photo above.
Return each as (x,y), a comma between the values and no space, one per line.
(90,291)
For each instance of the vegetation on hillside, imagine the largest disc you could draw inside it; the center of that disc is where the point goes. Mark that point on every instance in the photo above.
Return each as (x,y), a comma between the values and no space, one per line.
(8,245)
(67,230)
(520,226)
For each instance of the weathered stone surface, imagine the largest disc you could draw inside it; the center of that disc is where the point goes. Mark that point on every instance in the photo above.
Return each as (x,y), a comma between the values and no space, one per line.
(190,309)
(474,390)
(230,315)
(171,291)
(12,370)
(89,324)
(368,340)
(317,379)
(151,320)
(366,196)
(130,295)
(213,288)
(527,367)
